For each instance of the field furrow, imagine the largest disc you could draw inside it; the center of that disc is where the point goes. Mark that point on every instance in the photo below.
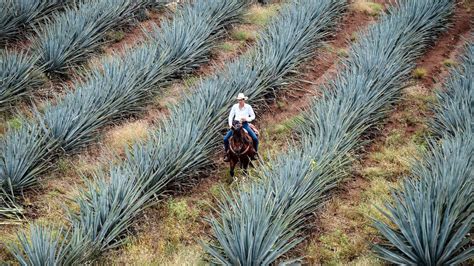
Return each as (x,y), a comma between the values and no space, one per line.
(429,218)
(342,233)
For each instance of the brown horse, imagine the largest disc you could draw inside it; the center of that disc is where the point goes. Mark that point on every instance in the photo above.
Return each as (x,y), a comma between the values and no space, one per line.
(241,148)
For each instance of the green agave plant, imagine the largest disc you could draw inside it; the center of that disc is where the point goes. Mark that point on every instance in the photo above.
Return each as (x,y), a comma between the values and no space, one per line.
(432,215)
(18,76)
(258,223)
(120,85)
(183,144)
(67,38)
(15,15)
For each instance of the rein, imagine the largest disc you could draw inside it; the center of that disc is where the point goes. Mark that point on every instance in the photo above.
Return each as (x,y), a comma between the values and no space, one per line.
(239,154)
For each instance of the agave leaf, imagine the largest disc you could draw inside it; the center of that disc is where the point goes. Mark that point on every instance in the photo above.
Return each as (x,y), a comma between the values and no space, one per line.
(69,37)
(18,14)
(18,77)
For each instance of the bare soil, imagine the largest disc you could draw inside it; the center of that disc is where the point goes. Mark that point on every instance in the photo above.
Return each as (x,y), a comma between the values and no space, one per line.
(314,73)
(446,44)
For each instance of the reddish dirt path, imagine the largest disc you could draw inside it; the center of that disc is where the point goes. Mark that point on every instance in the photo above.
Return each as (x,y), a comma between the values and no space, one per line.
(134,34)
(460,29)
(315,73)
(448,46)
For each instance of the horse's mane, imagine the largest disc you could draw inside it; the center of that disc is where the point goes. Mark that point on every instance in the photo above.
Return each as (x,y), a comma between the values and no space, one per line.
(241,135)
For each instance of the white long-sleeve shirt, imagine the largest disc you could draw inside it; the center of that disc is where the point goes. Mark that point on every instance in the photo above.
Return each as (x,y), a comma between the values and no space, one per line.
(237,114)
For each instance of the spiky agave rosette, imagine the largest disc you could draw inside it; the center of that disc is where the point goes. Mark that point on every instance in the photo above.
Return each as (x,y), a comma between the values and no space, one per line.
(18,77)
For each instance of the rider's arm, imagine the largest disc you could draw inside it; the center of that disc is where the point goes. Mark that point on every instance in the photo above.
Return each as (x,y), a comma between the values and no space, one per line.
(251,114)
(231,116)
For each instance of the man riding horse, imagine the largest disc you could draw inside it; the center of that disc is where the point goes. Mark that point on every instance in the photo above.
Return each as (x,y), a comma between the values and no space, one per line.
(243,113)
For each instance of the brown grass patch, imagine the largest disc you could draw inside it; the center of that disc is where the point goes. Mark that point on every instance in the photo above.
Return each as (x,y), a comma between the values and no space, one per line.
(368,7)
(125,136)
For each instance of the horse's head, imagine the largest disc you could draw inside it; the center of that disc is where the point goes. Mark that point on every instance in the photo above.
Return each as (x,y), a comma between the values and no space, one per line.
(236,126)
(239,140)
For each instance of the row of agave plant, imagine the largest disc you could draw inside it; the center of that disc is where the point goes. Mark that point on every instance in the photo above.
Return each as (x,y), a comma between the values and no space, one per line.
(259,222)
(63,40)
(431,216)
(181,147)
(16,15)
(119,85)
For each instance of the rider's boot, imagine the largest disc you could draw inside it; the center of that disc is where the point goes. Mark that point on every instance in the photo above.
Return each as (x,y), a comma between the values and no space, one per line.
(226,157)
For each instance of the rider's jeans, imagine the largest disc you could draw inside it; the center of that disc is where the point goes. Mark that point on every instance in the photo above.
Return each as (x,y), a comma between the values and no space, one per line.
(246,126)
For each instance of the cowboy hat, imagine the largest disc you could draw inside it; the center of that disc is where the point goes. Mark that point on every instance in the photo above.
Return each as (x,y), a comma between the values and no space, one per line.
(242,96)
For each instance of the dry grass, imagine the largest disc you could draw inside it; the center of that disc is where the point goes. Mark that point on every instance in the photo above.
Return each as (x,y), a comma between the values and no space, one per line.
(368,7)
(419,73)
(116,35)
(171,237)
(342,52)
(125,136)
(449,63)
(243,35)
(228,47)
(274,137)
(391,161)
(8,235)
(255,19)
(170,232)
(261,15)
(347,225)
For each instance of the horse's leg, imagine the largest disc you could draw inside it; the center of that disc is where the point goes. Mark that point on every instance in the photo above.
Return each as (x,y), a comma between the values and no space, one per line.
(245,165)
(232,167)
